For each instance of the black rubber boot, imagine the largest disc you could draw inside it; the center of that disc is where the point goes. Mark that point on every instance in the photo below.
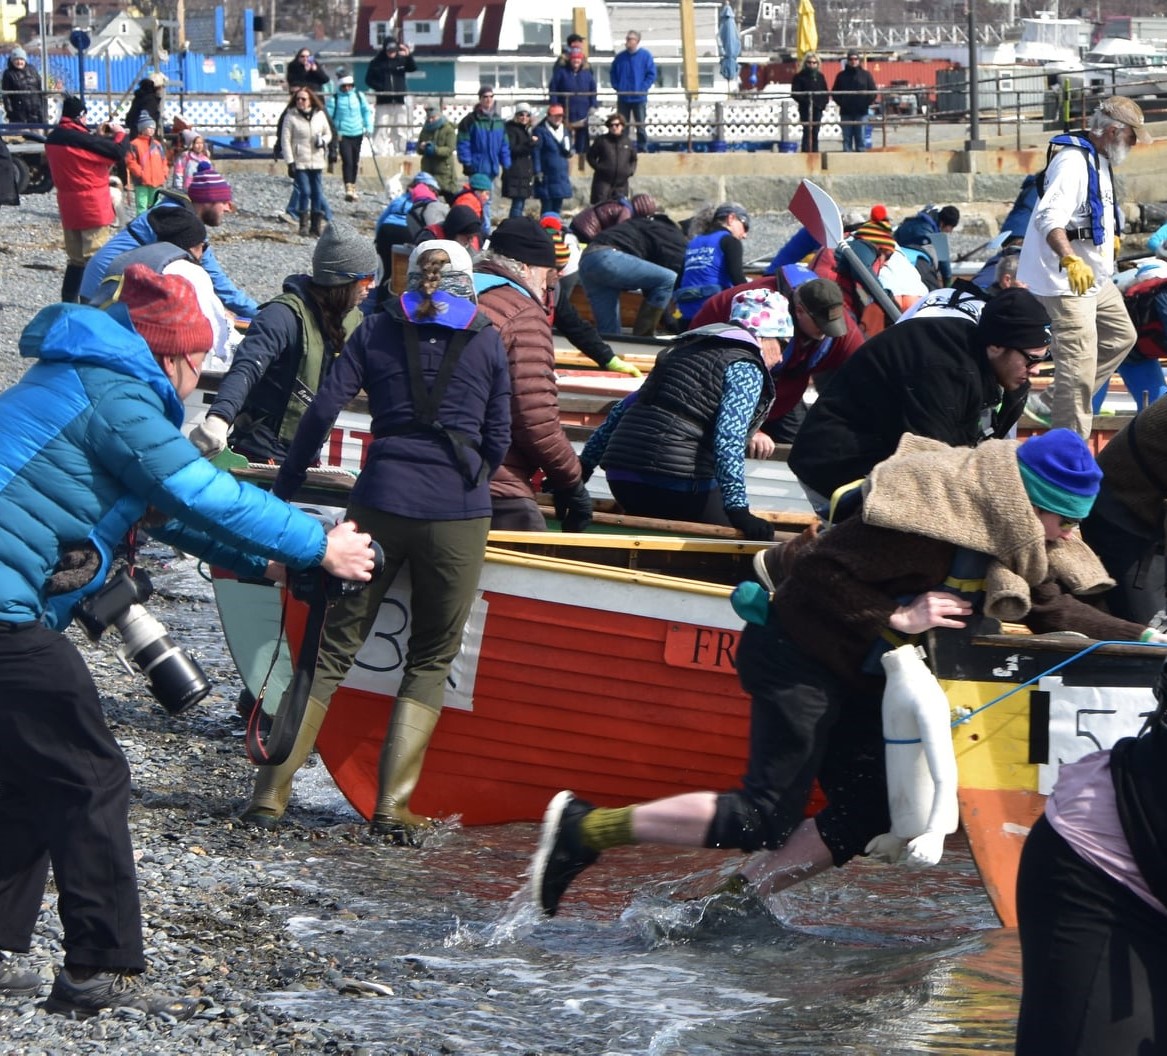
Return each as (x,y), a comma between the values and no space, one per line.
(71,283)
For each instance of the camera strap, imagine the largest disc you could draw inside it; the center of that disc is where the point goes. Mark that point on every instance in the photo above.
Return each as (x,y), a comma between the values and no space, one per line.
(277,746)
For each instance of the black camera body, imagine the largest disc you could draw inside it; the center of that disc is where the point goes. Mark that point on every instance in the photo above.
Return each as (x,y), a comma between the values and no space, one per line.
(315,585)
(176,679)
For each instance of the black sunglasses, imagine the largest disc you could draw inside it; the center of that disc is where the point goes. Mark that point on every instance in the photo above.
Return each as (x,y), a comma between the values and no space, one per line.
(1033,361)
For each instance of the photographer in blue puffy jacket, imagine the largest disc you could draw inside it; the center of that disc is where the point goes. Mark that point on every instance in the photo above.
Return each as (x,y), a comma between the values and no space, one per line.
(93,443)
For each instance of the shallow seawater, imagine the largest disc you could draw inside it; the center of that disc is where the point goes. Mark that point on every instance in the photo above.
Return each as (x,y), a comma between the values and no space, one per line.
(868,960)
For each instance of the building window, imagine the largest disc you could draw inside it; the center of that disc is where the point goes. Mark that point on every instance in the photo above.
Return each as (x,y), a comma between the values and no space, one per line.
(536,34)
(467,32)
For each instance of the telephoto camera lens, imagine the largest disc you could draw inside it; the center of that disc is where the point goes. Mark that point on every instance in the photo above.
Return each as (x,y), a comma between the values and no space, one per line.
(176,679)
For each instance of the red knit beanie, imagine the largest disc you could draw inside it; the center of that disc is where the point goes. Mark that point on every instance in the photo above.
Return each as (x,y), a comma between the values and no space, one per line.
(165,311)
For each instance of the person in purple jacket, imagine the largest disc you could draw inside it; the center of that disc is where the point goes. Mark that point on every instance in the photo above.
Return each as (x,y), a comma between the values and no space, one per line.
(439,389)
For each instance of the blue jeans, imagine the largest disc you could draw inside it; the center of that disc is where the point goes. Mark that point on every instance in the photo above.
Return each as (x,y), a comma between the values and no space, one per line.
(606,272)
(853,135)
(634,113)
(551,205)
(517,206)
(310,183)
(296,205)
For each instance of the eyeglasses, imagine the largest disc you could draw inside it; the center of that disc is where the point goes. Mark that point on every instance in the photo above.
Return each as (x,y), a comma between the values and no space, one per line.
(615,124)
(1066,523)
(346,87)
(1032,360)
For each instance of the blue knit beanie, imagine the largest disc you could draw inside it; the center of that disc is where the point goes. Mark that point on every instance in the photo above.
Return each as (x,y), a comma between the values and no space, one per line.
(481,182)
(1059,473)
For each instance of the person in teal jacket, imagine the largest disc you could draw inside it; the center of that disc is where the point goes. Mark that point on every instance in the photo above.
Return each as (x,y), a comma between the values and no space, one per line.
(92,444)
(352,120)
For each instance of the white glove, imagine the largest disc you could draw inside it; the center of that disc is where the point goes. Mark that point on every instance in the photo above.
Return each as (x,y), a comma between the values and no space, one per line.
(1153,636)
(925,850)
(210,435)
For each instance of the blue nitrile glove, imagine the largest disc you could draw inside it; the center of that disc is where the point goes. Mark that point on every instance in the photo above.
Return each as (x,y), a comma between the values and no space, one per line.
(751,601)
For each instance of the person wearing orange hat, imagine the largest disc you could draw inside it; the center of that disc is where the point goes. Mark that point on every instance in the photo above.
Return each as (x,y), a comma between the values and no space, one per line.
(95,424)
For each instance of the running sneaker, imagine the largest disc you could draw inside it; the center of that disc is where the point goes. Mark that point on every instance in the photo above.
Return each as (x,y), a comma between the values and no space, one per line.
(561,855)
(16,981)
(83,998)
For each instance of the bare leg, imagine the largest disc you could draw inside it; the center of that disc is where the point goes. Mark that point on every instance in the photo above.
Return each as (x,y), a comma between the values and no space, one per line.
(680,821)
(802,856)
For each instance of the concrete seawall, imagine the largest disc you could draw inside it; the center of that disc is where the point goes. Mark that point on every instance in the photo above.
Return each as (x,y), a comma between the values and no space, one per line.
(983,183)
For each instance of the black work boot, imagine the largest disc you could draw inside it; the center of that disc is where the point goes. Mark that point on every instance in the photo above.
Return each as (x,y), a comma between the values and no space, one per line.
(87,993)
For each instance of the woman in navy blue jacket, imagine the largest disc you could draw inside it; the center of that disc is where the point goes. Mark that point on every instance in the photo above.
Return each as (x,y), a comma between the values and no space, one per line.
(552,160)
(439,391)
(574,88)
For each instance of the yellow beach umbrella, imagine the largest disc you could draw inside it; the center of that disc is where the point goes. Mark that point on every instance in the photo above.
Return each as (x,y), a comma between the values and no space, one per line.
(808,31)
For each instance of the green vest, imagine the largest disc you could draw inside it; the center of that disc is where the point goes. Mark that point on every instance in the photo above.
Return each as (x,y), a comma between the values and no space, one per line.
(310,370)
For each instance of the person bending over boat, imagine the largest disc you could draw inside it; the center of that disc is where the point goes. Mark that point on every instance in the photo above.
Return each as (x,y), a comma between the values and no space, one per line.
(288,351)
(824,335)
(946,378)
(1126,527)
(436,376)
(93,442)
(1000,517)
(644,253)
(1092,904)
(713,259)
(515,281)
(676,448)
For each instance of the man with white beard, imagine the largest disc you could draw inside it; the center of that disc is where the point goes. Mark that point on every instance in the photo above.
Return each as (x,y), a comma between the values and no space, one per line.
(1067,260)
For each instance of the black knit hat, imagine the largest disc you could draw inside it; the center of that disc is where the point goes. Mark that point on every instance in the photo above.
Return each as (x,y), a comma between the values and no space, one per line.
(524,239)
(1015,318)
(178,226)
(461,220)
(72,106)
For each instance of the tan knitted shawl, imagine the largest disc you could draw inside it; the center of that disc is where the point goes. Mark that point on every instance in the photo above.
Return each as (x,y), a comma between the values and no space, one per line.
(974,497)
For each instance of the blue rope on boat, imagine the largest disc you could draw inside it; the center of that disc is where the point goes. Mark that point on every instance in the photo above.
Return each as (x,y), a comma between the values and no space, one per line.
(1036,678)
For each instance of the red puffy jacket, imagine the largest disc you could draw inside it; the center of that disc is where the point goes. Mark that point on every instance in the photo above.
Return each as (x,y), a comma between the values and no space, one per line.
(80,164)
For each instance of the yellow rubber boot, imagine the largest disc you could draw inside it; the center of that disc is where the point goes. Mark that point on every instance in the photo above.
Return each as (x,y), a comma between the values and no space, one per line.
(401,757)
(273,784)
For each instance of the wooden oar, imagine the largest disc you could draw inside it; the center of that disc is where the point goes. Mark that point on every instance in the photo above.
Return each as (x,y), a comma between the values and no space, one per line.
(817,212)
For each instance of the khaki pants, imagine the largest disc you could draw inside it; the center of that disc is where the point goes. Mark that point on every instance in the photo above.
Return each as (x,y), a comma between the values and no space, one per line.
(80,246)
(1092,336)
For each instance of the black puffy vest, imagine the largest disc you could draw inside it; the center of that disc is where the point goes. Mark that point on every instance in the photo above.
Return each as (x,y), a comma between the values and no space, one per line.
(669,430)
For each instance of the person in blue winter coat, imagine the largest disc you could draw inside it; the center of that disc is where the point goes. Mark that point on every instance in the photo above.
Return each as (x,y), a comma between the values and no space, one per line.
(633,73)
(92,446)
(574,88)
(352,119)
(483,149)
(553,160)
(713,260)
(209,198)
